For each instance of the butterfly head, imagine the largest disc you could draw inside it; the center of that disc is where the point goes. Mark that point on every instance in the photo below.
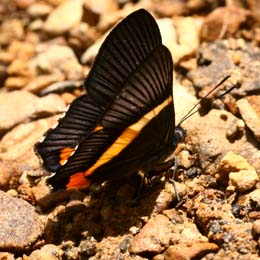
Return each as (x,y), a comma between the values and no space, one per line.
(179,135)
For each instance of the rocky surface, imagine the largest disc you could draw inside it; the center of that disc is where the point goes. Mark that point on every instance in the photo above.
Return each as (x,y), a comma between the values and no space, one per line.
(20,224)
(46,50)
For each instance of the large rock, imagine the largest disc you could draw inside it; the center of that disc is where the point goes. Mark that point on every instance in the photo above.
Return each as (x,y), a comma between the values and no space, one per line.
(180,35)
(19,223)
(250,115)
(209,137)
(64,17)
(19,106)
(17,146)
(57,59)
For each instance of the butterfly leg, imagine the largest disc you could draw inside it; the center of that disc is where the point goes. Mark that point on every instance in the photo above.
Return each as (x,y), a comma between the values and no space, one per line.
(141,175)
(174,170)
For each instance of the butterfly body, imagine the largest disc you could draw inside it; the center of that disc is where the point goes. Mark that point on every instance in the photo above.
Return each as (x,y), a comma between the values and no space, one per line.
(125,121)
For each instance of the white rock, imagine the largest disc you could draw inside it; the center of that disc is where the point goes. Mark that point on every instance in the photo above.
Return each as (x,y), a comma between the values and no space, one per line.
(64,17)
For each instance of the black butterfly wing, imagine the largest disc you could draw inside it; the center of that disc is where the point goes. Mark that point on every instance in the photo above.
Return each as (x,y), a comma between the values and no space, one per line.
(151,145)
(131,76)
(77,123)
(123,51)
(146,88)
(149,88)
(126,47)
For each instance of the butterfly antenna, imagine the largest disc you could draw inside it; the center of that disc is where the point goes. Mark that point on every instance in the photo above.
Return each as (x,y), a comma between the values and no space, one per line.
(192,111)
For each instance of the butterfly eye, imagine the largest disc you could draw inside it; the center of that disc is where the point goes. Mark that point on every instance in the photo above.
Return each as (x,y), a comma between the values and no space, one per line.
(179,135)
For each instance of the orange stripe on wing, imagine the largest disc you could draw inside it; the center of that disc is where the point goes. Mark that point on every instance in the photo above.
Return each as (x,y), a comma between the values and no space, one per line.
(127,137)
(65,154)
(68,151)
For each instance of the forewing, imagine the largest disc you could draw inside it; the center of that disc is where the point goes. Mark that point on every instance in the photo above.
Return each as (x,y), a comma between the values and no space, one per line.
(121,54)
(132,75)
(149,86)
(123,51)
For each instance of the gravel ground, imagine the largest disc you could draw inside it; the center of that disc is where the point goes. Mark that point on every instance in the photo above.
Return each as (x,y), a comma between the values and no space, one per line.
(47,48)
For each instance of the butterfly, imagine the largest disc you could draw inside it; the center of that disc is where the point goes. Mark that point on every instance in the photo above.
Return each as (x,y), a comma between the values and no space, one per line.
(125,122)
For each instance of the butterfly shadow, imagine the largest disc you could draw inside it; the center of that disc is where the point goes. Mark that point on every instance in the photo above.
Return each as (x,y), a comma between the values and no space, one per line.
(104,211)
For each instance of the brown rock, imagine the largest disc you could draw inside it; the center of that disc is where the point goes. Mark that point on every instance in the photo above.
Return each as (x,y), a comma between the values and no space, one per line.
(256,228)
(101,7)
(254,101)
(241,174)
(67,97)
(215,62)
(251,200)
(188,233)
(233,162)
(208,136)
(25,193)
(19,106)
(11,112)
(109,246)
(38,10)
(19,68)
(82,36)
(184,159)
(206,213)
(24,3)
(46,198)
(20,224)
(107,21)
(189,251)
(6,256)
(11,29)
(170,8)
(224,22)
(50,252)
(5,175)
(49,105)
(201,5)
(5,57)
(187,39)
(64,17)
(89,55)
(244,180)
(254,198)
(55,2)
(233,235)
(183,102)
(184,231)
(168,195)
(36,25)
(43,81)
(161,199)
(180,35)
(17,146)
(250,117)
(136,257)
(57,59)
(21,50)
(153,237)
(15,83)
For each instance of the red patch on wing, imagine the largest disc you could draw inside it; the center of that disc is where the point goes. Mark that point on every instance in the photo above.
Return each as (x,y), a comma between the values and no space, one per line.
(77,181)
